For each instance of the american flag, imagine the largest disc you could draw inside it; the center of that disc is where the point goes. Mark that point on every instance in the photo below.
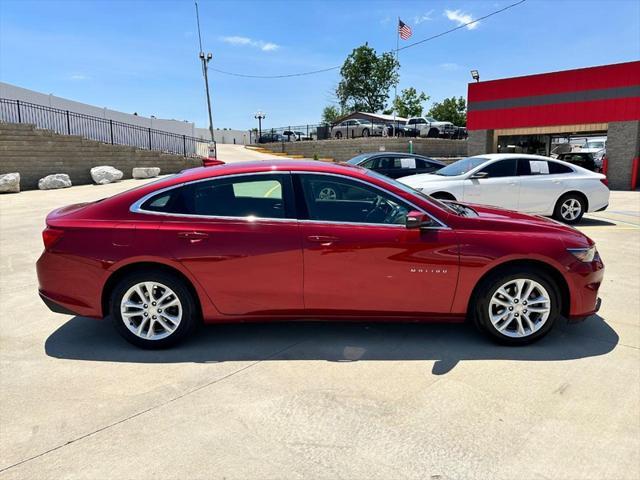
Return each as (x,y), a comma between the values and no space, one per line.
(404,30)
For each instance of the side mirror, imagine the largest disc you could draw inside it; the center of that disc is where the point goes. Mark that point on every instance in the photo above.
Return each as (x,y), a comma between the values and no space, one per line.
(478,175)
(417,219)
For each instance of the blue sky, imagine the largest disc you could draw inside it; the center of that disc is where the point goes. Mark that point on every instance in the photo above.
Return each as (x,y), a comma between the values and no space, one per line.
(142,55)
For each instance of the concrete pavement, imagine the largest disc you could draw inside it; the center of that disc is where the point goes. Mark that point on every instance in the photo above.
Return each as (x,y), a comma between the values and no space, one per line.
(308,400)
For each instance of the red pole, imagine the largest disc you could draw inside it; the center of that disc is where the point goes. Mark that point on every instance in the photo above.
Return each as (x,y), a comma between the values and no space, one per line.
(635,169)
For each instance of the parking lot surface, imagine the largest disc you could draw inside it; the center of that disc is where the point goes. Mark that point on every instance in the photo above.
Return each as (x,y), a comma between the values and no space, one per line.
(316,400)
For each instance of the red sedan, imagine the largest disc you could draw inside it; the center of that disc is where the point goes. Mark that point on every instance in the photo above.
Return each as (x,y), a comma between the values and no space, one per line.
(284,240)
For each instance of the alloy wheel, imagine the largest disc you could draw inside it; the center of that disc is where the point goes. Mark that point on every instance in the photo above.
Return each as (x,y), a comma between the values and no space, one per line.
(327,193)
(151,310)
(571,209)
(519,308)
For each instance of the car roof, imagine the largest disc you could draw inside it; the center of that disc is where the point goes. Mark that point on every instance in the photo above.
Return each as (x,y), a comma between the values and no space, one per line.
(265,166)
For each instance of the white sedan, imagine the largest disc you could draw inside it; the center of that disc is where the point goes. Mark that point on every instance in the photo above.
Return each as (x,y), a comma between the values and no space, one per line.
(527,183)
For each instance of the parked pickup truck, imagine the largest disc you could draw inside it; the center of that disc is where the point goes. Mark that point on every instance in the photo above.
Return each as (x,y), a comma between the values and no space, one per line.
(430,127)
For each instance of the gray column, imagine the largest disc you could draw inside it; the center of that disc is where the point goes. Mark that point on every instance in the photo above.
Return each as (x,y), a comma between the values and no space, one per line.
(480,142)
(623,145)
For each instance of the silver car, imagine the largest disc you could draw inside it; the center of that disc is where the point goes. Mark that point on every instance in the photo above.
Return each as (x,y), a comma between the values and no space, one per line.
(356,128)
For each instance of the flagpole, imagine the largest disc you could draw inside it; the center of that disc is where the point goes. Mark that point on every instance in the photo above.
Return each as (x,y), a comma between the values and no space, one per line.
(395,96)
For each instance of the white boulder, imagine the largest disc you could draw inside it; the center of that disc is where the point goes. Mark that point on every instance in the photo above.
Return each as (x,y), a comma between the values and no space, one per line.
(9,183)
(105,174)
(145,172)
(57,180)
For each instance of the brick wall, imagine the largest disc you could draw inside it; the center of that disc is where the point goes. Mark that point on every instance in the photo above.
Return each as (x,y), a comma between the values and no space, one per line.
(623,145)
(345,149)
(37,153)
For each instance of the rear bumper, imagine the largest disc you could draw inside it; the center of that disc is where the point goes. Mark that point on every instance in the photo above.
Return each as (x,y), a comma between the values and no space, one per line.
(55,306)
(69,286)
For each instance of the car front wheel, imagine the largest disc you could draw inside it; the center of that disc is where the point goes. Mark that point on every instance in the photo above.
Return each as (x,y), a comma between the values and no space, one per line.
(517,307)
(153,309)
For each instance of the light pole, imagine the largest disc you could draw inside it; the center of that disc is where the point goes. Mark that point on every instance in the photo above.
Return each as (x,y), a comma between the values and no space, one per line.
(475,75)
(205,61)
(260,115)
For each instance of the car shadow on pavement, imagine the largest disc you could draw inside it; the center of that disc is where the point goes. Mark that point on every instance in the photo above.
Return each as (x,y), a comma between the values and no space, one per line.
(446,344)
(595,222)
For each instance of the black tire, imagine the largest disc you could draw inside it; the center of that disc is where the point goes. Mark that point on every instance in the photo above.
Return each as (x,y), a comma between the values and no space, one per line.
(365,132)
(433,133)
(190,313)
(489,286)
(567,202)
(338,135)
(443,196)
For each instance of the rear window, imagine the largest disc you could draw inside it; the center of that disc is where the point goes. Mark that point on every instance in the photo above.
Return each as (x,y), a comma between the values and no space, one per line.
(260,196)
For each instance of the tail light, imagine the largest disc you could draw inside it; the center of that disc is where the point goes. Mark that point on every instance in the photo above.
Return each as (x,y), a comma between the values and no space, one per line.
(51,236)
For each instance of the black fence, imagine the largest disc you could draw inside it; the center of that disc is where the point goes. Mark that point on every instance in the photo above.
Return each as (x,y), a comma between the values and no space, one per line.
(103,130)
(353,129)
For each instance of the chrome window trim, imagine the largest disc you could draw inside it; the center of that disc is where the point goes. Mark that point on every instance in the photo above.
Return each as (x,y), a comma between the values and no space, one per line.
(136,206)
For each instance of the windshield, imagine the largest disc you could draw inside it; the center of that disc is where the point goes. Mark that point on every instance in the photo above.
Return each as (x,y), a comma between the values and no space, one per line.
(412,191)
(430,119)
(461,166)
(358,158)
(595,144)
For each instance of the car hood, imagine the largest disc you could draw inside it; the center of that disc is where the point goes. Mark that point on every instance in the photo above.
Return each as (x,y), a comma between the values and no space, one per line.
(509,220)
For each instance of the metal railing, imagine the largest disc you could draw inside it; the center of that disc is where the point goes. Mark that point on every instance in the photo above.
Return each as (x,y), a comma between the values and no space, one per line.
(65,122)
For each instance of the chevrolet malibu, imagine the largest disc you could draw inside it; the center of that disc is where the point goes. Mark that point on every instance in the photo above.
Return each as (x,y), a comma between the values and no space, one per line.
(256,241)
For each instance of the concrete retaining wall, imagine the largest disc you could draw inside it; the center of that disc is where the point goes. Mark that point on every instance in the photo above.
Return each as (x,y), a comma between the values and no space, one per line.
(37,153)
(344,149)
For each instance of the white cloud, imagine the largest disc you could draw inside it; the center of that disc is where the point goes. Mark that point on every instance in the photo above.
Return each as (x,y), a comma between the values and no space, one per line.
(246,41)
(461,18)
(79,77)
(423,18)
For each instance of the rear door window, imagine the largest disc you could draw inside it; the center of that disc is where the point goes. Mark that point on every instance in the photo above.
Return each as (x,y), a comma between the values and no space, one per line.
(260,196)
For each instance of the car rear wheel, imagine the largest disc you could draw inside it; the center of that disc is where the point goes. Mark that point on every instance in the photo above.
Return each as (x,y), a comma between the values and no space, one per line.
(517,307)
(153,309)
(365,132)
(570,208)
(338,134)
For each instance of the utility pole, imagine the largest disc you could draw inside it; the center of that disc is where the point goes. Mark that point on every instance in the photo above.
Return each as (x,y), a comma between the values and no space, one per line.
(205,59)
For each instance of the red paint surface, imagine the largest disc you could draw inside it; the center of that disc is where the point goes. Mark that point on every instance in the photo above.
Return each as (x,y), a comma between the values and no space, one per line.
(593,78)
(272,270)
(635,171)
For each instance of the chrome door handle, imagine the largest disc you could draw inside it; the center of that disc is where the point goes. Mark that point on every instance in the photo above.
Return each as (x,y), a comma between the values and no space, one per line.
(323,239)
(193,237)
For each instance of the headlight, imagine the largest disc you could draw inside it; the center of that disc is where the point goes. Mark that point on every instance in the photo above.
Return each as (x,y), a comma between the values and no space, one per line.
(583,254)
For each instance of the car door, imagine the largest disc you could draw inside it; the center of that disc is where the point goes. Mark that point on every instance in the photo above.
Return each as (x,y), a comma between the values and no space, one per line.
(541,184)
(360,259)
(500,187)
(238,236)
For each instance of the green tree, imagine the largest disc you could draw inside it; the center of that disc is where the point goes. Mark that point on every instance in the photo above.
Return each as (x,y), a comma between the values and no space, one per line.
(330,114)
(409,103)
(452,110)
(366,80)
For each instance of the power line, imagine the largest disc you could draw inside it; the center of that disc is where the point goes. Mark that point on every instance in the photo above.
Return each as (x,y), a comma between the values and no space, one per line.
(323,70)
(463,25)
(276,76)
